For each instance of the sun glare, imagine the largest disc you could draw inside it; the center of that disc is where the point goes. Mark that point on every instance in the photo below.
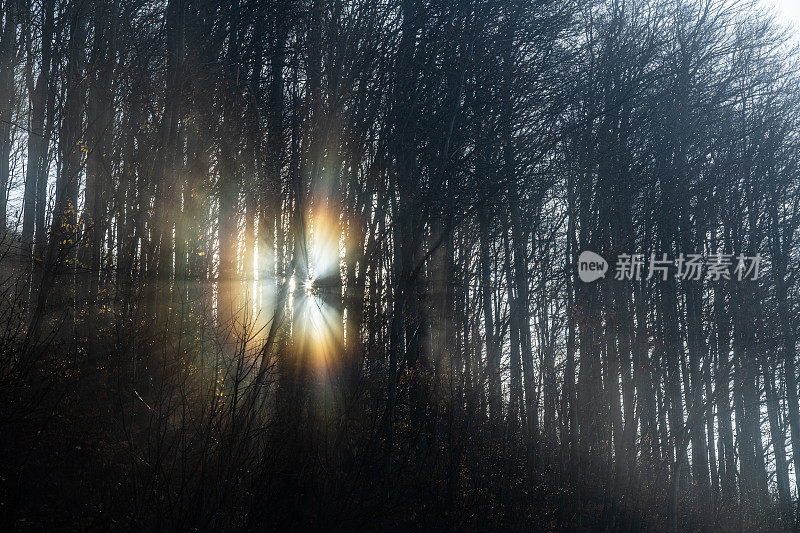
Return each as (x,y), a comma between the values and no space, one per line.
(313,304)
(319,320)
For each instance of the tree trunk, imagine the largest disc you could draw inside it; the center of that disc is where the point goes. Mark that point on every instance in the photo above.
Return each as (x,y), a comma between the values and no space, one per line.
(98,169)
(37,143)
(8,50)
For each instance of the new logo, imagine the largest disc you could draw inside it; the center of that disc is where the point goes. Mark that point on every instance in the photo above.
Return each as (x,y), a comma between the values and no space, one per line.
(591,266)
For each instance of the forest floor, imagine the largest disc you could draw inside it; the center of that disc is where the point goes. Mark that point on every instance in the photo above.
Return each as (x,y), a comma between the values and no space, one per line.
(63,464)
(68,465)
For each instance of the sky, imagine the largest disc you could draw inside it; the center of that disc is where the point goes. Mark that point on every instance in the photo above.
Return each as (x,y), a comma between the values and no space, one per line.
(789,12)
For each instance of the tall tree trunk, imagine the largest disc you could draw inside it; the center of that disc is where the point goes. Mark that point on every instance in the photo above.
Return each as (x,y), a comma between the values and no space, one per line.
(59,260)
(168,184)
(780,244)
(515,399)
(570,409)
(406,230)
(270,216)
(98,169)
(229,188)
(40,224)
(727,458)
(37,143)
(492,345)
(521,317)
(778,446)
(8,51)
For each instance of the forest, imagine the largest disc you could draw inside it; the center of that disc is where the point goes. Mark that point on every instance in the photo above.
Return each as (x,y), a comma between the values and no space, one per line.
(300,265)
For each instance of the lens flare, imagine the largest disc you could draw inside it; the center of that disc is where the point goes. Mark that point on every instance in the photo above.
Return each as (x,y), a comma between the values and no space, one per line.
(317,324)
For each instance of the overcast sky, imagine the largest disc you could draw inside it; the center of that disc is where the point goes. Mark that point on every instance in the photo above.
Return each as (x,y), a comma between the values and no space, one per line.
(789,10)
